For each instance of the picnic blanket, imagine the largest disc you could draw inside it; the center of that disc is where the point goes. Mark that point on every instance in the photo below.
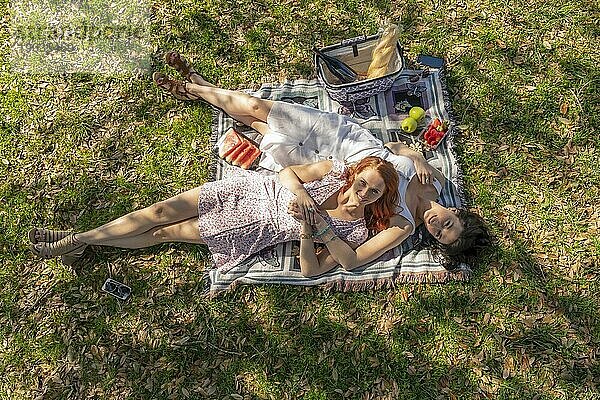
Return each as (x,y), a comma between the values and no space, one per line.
(382,115)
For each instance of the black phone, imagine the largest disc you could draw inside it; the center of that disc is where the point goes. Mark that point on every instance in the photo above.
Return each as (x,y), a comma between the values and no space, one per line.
(430,61)
(116,289)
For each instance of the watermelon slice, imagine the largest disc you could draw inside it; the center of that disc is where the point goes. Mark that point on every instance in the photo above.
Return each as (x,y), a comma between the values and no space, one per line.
(247,163)
(237,151)
(241,158)
(230,141)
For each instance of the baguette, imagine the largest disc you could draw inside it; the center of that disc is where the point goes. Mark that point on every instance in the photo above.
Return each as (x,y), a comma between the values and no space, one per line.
(383,52)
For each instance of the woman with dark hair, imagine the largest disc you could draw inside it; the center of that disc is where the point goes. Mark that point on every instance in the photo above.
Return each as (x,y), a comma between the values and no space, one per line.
(473,239)
(326,202)
(294,133)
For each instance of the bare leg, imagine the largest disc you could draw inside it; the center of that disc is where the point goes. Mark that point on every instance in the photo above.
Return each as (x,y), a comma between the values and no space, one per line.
(247,109)
(176,209)
(184,231)
(199,80)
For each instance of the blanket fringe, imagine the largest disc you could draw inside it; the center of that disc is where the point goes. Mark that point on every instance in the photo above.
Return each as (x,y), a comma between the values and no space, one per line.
(458,180)
(400,278)
(438,277)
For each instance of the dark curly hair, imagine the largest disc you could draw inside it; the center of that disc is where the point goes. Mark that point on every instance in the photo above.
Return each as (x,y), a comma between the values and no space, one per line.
(474,238)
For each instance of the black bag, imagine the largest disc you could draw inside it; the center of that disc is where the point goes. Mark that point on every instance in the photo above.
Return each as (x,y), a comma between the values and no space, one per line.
(357,53)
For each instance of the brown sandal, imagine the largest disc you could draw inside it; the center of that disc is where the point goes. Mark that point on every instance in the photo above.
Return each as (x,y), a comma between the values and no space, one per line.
(173,86)
(67,246)
(180,64)
(37,235)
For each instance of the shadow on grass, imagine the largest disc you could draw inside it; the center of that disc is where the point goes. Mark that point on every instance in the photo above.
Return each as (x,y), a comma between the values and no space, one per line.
(280,340)
(169,340)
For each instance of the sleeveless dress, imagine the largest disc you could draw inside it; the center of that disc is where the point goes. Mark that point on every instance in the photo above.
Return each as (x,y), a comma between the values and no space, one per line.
(245,213)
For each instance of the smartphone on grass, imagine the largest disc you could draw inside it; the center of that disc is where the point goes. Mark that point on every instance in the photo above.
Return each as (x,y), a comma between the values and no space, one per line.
(116,289)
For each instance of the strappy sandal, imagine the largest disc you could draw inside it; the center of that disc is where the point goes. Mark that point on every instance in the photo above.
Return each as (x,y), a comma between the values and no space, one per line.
(173,86)
(38,235)
(181,65)
(67,246)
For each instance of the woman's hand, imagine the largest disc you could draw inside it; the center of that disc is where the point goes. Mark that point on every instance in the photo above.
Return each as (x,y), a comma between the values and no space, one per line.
(304,215)
(306,206)
(295,212)
(424,170)
(294,176)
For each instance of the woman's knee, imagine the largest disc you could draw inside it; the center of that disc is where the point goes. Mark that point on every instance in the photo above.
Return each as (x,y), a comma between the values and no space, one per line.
(158,212)
(186,231)
(174,209)
(259,107)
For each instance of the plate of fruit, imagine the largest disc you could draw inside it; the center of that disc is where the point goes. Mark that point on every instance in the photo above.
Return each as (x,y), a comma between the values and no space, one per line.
(237,149)
(435,132)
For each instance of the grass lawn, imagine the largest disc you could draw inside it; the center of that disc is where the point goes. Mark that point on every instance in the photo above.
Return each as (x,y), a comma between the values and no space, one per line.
(77,150)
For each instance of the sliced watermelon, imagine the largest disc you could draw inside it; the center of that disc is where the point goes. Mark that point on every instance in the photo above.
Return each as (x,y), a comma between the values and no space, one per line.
(237,151)
(239,160)
(247,163)
(229,143)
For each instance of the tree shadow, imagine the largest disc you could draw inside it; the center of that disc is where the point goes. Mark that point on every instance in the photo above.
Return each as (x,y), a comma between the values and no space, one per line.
(280,341)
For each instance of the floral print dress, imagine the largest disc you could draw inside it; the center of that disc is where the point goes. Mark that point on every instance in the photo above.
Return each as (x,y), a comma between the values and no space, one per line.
(240,215)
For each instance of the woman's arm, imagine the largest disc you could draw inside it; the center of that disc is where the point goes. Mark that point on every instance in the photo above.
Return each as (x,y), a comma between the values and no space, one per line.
(424,170)
(401,149)
(341,253)
(311,263)
(294,176)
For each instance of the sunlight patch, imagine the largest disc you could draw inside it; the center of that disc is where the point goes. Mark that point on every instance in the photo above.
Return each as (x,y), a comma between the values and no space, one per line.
(79,36)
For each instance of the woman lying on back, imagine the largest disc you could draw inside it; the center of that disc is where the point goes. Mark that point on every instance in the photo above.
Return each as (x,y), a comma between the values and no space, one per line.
(326,202)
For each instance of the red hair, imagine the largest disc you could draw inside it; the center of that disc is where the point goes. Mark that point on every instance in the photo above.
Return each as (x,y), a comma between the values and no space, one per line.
(377,214)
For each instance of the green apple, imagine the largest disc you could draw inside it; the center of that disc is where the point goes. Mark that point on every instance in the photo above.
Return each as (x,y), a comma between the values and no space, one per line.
(417,113)
(409,124)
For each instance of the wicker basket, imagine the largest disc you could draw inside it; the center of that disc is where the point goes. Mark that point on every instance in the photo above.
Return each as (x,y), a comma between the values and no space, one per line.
(357,53)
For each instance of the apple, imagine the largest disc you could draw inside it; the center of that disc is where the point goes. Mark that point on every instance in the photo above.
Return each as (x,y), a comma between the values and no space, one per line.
(417,113)
(409,124)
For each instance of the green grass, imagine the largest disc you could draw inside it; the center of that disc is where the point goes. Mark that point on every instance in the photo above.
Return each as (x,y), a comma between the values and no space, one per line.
(81,149)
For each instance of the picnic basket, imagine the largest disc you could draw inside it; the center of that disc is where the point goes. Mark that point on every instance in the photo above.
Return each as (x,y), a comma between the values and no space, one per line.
(356,53)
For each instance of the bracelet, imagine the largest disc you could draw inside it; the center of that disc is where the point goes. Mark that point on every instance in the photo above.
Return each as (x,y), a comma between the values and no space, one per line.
(321,233)
(305,236)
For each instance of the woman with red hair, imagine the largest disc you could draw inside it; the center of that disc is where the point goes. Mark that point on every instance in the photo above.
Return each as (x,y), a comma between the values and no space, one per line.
(325,202)
(380,212)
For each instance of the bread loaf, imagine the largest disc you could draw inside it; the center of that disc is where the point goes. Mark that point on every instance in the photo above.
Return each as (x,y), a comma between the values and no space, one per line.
(383,52)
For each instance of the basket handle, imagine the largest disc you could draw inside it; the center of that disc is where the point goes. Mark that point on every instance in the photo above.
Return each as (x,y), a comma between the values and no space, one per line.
(349,42)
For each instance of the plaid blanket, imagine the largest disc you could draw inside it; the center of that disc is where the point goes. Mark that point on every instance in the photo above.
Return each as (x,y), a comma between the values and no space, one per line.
(382,115)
